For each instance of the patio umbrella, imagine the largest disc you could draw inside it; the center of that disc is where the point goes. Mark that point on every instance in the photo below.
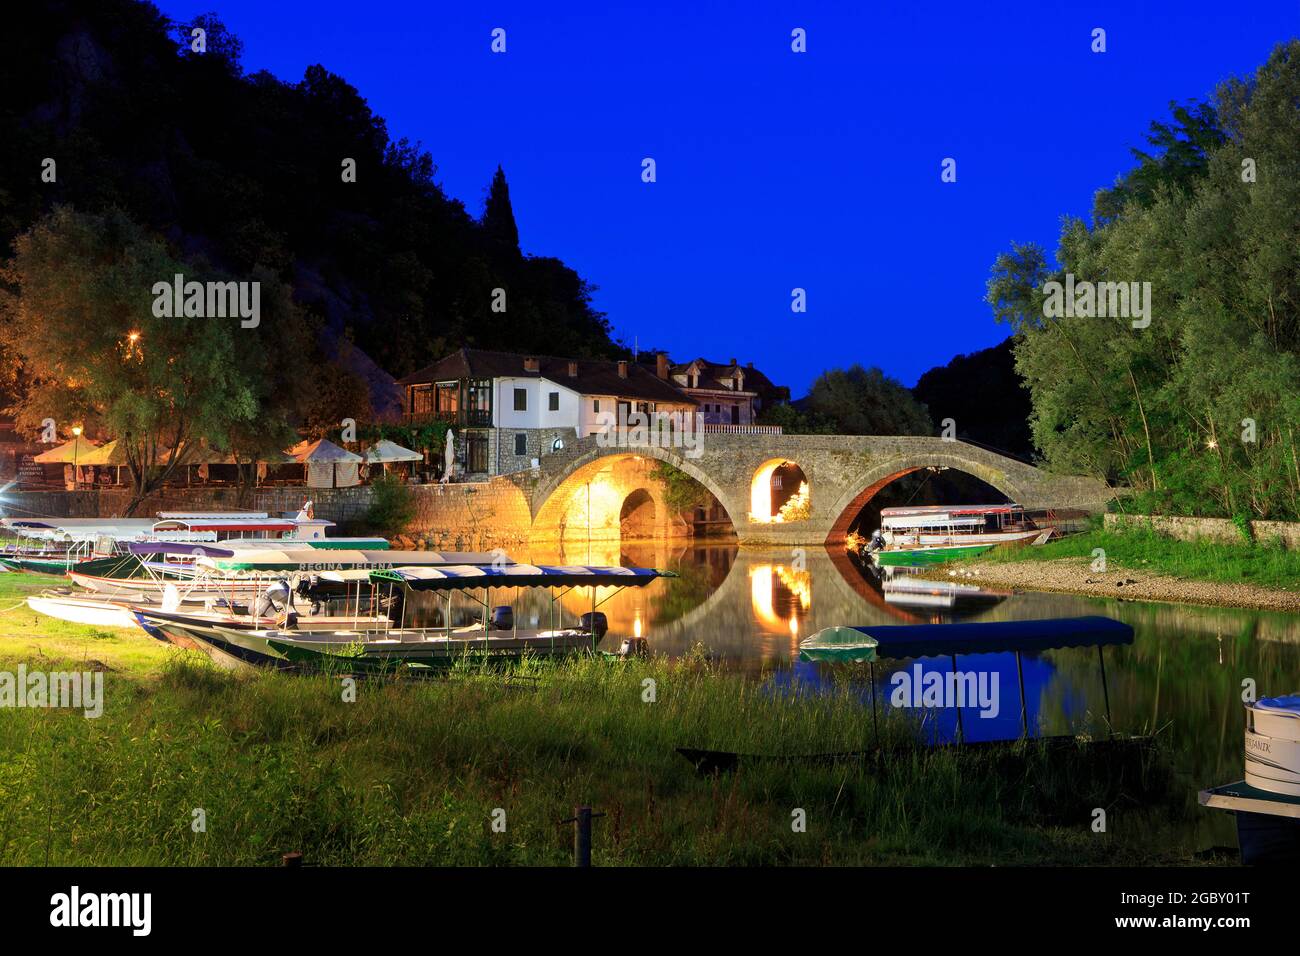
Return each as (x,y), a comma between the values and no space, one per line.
(385,451)
(65,454)
(327,465)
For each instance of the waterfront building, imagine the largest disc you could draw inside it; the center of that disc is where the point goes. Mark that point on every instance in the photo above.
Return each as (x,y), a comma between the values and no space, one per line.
(509,410)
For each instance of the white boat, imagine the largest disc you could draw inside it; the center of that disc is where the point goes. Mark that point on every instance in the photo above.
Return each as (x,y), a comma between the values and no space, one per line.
(361,647)
(1272,744)
(930,534)
(83,610)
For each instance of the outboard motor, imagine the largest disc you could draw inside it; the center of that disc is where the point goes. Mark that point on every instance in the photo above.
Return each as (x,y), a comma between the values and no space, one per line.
(596,623)
(503,618)
(877,542)
(634,647)
(274,599)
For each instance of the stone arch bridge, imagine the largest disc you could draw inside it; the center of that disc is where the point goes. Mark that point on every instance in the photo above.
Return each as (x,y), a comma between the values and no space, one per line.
(842,473)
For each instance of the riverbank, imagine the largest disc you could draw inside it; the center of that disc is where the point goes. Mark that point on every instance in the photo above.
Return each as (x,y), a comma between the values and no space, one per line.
(1144,565)
(479,768)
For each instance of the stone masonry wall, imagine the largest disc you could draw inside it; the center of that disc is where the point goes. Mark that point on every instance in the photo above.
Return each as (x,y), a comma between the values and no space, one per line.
(1222,530)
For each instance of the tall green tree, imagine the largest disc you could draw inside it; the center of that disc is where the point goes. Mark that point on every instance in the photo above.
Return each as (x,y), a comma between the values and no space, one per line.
(78,311)
(866,401)
(498,215)
(1199,410)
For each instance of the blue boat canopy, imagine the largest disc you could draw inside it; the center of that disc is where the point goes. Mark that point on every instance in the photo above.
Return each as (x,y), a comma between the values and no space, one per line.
(1290,703)
(460,577)
(883,642)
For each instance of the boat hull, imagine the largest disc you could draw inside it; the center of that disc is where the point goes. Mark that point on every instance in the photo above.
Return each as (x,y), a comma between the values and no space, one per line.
(82,611)
(239,648)
(920,557)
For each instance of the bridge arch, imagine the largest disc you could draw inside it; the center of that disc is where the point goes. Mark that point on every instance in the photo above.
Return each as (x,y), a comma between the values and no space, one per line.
(768,491)
(870,482)
(556,497)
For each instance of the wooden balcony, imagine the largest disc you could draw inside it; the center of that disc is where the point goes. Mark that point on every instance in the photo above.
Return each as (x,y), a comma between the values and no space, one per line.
(463,418)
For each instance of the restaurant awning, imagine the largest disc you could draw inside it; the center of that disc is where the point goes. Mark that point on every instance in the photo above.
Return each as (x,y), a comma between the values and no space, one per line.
(322,451)
(385,452)
(109,454)
(65,454)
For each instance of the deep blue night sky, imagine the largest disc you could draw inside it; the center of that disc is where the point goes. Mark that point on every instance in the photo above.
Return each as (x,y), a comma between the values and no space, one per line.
(775,169)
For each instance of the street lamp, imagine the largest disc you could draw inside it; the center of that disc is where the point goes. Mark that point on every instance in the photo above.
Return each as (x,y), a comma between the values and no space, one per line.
(76,446)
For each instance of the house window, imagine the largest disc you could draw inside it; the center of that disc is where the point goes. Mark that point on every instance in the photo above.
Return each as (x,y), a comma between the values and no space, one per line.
(521,443)
(553,401)
(521,399)
(595,405)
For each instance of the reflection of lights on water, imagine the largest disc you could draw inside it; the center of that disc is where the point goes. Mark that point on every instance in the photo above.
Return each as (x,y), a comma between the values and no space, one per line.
(794,626)
(762,593)
(636,626)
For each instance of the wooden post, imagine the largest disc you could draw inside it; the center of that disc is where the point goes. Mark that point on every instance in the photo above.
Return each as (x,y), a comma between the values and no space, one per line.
(582,836)
(1024,717)
(875,727)
(961,733)
(291,859)
(1101,659)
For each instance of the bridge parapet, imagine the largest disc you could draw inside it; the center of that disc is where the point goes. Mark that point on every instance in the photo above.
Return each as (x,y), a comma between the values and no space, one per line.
(843,472)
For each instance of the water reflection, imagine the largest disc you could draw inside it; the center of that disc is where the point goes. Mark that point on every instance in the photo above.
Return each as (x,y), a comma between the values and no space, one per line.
(1181,677)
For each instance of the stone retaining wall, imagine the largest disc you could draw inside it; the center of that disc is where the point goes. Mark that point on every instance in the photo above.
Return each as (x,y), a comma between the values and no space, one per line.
(1222,530)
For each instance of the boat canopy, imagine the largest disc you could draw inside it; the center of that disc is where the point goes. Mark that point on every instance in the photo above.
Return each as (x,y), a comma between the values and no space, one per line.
(184,549)
(321,559)
(226,525)
(460,577)
(925,516)
(195,515)
(895,642)
(952,510)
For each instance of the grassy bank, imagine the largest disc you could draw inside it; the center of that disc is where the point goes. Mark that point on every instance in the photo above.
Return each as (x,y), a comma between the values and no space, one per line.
(411,772)
(1265,564)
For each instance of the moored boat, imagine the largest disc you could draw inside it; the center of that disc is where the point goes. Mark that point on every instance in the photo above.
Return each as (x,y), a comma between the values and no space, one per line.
(933,534)
(366,647)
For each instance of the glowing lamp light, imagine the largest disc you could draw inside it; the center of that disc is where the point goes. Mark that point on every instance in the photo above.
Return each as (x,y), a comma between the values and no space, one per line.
(636,626)
(76,431)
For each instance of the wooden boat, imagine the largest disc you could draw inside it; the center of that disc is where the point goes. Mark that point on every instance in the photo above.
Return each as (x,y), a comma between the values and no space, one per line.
(97,547)
(364,647)
(900,587)
(932,534)
(240,573)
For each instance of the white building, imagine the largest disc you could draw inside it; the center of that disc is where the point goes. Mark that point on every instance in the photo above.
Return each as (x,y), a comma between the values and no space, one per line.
(510,409)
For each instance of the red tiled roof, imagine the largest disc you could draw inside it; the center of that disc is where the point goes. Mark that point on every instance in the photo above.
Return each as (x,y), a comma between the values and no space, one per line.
(594,376)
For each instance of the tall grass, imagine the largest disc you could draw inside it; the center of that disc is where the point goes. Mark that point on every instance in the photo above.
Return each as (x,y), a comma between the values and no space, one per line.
(411,773)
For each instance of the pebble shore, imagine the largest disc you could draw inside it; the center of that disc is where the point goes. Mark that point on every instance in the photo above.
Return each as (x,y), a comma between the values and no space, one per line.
(1075,576)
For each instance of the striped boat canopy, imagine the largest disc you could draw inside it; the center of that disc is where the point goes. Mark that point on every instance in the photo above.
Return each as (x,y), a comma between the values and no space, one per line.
(460,577)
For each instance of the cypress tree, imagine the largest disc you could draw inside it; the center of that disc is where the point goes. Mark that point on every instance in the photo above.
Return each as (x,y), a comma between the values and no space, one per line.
(498,217)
